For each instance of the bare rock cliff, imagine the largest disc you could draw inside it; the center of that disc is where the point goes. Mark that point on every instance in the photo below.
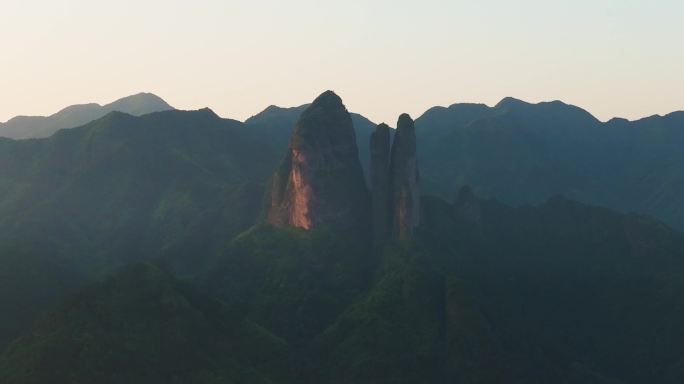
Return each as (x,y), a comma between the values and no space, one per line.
(320,182)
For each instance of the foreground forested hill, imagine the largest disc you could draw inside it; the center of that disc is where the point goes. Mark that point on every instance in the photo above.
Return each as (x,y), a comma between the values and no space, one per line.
(485,293)
(171,185)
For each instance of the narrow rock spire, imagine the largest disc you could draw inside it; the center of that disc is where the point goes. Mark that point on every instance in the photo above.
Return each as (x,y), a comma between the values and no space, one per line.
(380,159)
(404,177)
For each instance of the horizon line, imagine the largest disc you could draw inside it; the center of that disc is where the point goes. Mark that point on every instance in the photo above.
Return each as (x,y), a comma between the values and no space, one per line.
(506,98)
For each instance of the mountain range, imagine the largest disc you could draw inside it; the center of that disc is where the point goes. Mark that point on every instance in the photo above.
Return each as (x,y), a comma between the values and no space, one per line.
(517,152)
(522,153)
(180,247)
(29,127)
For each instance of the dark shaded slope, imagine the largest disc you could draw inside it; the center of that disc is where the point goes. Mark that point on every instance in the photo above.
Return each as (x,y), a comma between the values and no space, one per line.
(569,287)
(149,176)
(172,185)
(561,292)
(144,326)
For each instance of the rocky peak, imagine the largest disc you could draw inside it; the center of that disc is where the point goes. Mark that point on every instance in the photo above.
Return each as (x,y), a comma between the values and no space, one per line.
(380,163)
(404,177)
(320,182)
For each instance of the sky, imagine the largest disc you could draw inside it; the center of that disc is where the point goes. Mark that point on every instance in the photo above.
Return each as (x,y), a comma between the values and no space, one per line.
(612,57)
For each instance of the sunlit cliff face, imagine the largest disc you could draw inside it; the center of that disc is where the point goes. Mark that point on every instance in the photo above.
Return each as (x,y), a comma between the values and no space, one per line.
(300,209)
(320,182)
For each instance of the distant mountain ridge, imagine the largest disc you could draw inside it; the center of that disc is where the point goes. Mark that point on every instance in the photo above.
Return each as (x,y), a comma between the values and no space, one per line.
(32,127)
(523,153)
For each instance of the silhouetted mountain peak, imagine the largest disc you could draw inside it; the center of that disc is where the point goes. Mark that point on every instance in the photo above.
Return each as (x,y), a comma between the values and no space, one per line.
(113,117)
(405,121)
(207,112)
(141,96)
(78,108)
(675,117)
(618,120)
(556,111)
(328,99)
(510,102)
(676,114)
(276,116)
(270,109)
(139,104)
(26,127)
(468,106)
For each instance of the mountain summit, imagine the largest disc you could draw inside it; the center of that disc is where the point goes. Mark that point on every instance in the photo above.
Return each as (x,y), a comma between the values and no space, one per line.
(320,182)
(32,127)
(139,104)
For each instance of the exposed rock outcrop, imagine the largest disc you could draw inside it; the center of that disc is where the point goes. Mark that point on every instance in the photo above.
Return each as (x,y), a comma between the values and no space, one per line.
(320,182)
(404,177)
(380,163)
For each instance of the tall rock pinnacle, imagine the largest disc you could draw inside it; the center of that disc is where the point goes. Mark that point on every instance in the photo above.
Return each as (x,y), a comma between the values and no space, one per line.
(404,179)
(380,160)
(320,182)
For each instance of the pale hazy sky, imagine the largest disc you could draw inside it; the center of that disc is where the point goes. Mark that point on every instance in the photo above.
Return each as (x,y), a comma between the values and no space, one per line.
(611,57)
